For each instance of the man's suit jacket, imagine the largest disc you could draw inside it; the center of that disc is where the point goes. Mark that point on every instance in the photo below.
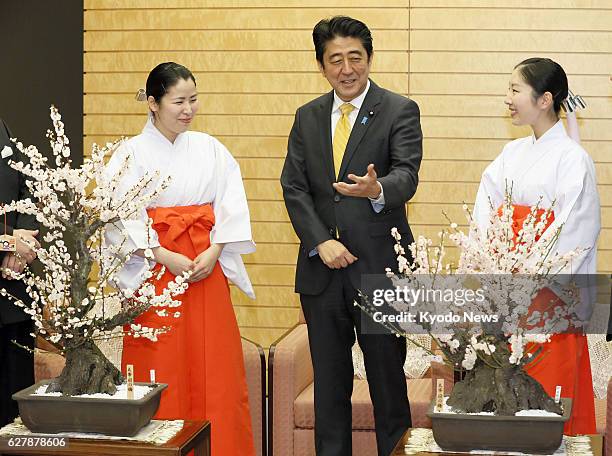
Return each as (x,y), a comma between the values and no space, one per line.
(12,188)
(387,133)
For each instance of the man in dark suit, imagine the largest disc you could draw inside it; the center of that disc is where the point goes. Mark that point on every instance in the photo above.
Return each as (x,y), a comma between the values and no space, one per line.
(16,364)
(347,177)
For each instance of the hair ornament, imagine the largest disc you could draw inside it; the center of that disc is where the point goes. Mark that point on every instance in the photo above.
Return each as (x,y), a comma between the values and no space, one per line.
(141,95)
(573,102)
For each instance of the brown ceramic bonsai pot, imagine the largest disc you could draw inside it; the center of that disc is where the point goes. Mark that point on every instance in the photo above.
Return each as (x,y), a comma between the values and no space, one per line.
(526,434)
(53,414)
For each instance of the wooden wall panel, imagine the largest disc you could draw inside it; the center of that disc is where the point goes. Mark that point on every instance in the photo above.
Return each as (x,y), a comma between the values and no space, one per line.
(268,211)
(267,296)
(507,19)
(502,128)
(426,83)
(119,124)
(292,5)
(210,103)
(260,83)
(281,232)
(511,40)
(251,125)
(492,106)
(254,65)
(488,149)
(220,61)
(520,7)
(470,62)
(277,253)
(239,19)
(239,40)
(256,146)
(436,148)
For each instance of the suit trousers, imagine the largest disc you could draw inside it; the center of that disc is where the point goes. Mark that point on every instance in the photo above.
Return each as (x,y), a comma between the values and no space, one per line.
(16,366)
(331,318)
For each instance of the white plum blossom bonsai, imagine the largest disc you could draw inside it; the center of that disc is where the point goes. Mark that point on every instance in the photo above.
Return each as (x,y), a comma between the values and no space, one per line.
(492,354)
(72,297)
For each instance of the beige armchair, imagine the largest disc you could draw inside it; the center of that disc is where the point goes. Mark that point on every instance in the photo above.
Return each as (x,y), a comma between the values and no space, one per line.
(291,399)
(48,364)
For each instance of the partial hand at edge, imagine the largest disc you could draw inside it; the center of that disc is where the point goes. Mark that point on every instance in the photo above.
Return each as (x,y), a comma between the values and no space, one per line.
(11,262)
(26,243)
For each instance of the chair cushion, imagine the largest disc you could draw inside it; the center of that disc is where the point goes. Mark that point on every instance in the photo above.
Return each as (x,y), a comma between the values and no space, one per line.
(419,395)
(417,359)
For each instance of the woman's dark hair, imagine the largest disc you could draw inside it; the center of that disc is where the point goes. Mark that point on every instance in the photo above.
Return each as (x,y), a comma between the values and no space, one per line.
(545,75)
(344,26)
(164,76)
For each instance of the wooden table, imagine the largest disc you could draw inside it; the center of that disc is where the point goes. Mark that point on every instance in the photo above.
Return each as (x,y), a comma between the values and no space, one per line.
(596,446)
(195,435)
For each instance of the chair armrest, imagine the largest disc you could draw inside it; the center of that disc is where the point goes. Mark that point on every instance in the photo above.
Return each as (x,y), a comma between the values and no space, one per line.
(45,345)
(289,373)
(255,370)
(47,364)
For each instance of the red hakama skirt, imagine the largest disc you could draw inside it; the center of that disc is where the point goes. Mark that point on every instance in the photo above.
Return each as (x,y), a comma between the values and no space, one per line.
(200,358)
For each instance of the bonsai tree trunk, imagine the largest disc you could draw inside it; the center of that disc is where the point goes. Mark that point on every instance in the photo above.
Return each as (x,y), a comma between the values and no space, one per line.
(504,390)
(87,371)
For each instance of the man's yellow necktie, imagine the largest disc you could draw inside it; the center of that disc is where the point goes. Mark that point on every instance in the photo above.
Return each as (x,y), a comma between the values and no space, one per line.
(341,135)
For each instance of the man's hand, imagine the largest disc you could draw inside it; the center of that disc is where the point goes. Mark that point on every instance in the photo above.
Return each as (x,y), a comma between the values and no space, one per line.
(26,243)
(12,262)
(365,186)
(335,255)
(205,262)
(24,254)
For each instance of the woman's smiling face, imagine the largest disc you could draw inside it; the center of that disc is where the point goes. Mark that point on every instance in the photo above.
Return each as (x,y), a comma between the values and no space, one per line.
(176,109)
(520,100)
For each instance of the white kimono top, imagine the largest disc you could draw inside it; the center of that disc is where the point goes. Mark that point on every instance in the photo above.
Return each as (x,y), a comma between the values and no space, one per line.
(201,171)
(555,168)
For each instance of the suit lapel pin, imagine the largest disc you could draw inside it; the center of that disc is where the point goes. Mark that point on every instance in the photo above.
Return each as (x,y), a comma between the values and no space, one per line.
(364,120)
